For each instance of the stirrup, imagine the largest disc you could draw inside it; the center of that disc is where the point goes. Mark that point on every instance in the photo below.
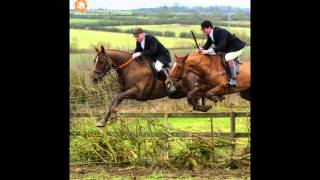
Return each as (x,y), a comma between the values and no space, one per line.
(235,84)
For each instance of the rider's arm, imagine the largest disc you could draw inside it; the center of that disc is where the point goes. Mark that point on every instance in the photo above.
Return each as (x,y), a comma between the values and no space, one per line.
(137,48)
(207,45)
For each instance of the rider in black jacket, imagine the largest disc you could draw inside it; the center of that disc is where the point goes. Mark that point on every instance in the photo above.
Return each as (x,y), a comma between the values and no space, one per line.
(149,46)
(225,42)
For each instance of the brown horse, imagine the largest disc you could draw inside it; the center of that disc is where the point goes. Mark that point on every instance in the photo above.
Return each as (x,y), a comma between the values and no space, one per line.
(214,78)
(136,78)
(179,76)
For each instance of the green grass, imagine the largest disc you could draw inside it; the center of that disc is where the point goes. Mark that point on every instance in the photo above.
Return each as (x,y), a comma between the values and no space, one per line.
(85,59)
(186,124)
(86,39)
(83,21)
(178,28)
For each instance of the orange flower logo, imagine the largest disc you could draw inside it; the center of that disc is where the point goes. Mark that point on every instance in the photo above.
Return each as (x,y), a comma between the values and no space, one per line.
(81,5)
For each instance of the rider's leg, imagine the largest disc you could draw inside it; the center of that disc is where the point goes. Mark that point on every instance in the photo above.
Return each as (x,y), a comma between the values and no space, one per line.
(233,74)
(159,68)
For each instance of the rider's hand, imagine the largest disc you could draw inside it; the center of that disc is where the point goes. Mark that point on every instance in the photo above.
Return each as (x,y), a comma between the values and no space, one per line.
(209,51)
(200,50)
(137,54)
(204,51)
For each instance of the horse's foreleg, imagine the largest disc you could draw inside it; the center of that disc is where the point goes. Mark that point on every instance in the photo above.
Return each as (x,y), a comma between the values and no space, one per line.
(193,99)
(114,104)
(203,103)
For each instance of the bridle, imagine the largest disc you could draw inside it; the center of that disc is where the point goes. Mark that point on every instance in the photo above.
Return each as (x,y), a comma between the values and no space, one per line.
(176,78)
(106,72)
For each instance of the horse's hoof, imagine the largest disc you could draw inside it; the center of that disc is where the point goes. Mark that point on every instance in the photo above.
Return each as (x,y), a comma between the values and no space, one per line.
(113,120)
(101,124)
(201,108)
(204,110)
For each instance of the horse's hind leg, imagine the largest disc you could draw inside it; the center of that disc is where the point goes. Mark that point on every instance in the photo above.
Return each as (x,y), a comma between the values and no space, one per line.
(114,104)
(215,94)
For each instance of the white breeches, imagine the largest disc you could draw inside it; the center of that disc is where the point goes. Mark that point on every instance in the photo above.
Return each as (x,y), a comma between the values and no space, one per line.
(158,65)
(232,55)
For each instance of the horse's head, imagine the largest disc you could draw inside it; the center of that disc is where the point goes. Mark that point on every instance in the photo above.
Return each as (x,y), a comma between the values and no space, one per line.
(177,71)
(102,65)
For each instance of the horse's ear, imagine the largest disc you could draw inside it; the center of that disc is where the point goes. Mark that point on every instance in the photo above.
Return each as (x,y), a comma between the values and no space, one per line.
(186,56)
(102,49)
(176,56)
(97,50)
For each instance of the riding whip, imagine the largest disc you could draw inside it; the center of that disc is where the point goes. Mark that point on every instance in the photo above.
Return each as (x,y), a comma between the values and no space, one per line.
(194,37)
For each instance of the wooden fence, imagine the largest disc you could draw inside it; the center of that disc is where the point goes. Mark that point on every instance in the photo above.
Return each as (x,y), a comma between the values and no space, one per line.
(181,133)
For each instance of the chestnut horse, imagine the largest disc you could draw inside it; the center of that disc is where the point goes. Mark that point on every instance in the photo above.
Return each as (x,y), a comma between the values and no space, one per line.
(137,80)
(213,81)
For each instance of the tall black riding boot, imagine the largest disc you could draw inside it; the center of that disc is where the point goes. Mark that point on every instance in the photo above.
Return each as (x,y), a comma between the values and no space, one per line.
(233,73)
(164,72)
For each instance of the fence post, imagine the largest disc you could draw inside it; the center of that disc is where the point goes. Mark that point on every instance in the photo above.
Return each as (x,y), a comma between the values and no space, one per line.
(138,139)
(212,157)
(167,137)
(233,130)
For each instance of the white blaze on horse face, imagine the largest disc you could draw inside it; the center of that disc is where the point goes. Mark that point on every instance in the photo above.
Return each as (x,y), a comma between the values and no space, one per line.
(95,63)
(174,66)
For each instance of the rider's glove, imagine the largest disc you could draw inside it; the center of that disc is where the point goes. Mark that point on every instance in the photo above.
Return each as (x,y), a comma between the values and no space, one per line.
(137,54)
(209,51)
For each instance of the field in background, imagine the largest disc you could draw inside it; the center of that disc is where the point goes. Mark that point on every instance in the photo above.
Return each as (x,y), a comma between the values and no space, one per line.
(179,28)
(86,39)
(83,21)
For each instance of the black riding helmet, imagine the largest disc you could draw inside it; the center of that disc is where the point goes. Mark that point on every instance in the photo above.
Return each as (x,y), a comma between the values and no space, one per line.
(206,24)
(137,31)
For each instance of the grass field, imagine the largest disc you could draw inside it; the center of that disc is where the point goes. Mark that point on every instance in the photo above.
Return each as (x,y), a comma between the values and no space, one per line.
(96,21)
(86,39)
(83,21)
(178,28)
(84,59)
(186,124)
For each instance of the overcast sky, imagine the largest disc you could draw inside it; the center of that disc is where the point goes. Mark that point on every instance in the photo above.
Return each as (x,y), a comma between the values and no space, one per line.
(135,4)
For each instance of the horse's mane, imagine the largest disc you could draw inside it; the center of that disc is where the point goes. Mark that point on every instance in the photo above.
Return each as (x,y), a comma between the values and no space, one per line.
(199,54)
(119,51)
